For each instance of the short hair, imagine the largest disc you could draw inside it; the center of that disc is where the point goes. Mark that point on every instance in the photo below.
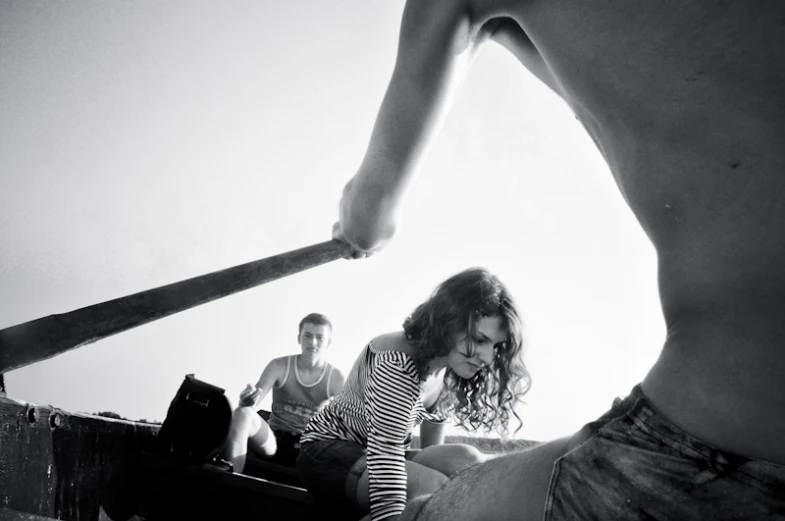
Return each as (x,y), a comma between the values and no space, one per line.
(489,397)
(316,319)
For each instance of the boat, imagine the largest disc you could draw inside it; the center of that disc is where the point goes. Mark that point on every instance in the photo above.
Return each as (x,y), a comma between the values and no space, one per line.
(73,466)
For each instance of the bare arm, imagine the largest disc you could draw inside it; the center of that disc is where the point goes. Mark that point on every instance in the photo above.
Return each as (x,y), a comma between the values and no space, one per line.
(438,41)
(270,377)
(336,383)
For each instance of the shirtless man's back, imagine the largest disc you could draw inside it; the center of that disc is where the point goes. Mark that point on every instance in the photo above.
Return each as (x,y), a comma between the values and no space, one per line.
(686,101)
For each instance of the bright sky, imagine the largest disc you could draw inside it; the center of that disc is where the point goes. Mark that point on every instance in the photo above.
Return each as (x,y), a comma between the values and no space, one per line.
(146,142)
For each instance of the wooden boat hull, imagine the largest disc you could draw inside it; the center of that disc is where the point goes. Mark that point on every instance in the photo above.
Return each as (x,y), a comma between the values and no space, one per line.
(80,467)
(58,464)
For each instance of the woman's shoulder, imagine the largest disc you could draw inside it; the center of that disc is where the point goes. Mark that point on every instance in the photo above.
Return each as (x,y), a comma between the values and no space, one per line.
(392,347)
(391,342)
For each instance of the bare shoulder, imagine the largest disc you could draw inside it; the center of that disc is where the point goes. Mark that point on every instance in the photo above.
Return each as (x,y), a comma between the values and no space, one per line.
(395,341)
(337,374)
(468,24)
(279,363)
(462,22)
(336,380)
(276,368)
(510,486)
(479,9)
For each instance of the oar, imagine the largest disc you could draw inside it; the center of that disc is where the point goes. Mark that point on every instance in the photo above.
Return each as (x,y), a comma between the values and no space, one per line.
(46,337)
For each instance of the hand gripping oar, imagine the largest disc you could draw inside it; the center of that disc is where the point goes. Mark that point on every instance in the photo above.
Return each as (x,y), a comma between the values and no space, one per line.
(46,337)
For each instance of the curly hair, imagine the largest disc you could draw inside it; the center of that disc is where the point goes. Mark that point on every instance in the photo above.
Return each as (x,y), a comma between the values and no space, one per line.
(488,398)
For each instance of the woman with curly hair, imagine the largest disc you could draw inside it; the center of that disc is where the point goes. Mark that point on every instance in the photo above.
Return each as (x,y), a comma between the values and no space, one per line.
(459,355)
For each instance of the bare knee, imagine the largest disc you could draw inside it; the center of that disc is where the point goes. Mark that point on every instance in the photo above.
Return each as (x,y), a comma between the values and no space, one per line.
(449,459)
(245,416)
(246,424)
(465,456)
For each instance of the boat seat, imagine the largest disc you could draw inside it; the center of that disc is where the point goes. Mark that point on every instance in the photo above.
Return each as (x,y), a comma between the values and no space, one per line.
(212,491)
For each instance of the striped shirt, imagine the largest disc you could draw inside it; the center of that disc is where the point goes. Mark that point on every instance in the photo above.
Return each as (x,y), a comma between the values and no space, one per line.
(379,407)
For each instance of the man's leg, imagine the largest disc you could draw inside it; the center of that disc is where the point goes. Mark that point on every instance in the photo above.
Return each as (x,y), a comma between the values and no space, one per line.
(287,450)
(513,486)
(248,431)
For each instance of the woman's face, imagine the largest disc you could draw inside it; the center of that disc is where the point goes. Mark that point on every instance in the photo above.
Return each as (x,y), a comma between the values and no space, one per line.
(470,355)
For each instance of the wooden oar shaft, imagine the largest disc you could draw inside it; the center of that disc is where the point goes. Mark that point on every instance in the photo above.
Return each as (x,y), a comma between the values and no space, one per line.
(46,337)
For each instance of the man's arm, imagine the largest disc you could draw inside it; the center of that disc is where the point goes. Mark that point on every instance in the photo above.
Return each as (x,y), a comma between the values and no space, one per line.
(270,376)
(513,486)
(438,41)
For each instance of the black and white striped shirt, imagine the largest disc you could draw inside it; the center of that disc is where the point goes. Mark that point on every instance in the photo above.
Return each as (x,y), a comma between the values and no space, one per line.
(379,406)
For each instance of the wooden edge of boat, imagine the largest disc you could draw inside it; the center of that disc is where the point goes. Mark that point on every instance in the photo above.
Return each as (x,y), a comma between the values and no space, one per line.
(56,464)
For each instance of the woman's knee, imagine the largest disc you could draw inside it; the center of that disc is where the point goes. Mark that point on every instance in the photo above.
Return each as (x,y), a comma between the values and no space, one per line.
(449,459)
(462,456)
(468,455)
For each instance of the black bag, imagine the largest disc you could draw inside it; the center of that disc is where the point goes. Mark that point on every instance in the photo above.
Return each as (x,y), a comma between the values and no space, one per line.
(197,423)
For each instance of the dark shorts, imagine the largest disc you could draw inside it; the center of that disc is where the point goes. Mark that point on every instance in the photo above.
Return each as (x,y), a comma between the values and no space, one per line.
(288,447)
(633,464)
(331,469)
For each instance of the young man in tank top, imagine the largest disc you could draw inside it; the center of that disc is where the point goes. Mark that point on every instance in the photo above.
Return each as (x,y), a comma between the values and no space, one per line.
(301,385)
(685,99)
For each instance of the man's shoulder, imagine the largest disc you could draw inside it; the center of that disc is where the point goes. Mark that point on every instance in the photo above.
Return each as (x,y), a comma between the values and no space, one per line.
(479,10)
(278,364)
(335,370)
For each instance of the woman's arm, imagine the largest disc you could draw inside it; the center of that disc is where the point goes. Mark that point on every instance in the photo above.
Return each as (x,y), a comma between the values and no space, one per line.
(389,401)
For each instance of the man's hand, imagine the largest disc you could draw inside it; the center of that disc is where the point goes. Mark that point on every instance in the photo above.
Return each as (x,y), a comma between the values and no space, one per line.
(365,222)
(357,253)
(249,395)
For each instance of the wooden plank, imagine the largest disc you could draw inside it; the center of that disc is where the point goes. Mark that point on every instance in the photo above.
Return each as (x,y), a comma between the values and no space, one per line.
(28,480)
(80,467)
(271,471)
(46,337)
(64,465)
(209,494)
(6,514)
